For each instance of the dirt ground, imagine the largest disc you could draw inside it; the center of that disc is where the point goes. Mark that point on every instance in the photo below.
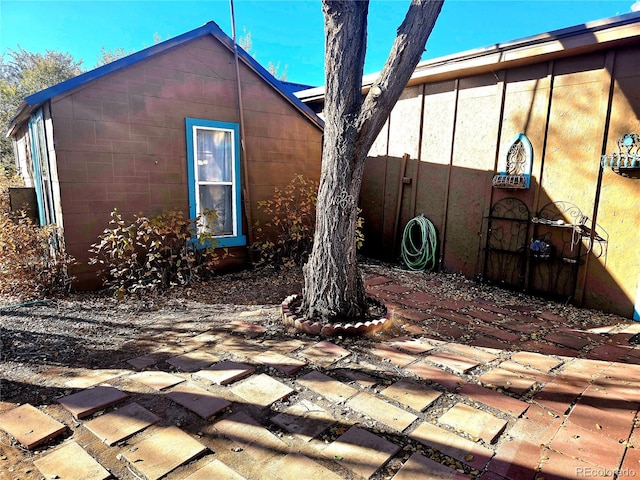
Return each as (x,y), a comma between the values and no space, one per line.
(98,332)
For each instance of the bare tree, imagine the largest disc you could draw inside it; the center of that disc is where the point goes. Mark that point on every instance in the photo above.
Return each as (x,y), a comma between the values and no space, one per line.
(333,285)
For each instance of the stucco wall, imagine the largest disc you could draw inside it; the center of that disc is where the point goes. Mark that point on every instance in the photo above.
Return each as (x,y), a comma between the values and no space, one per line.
(564,108)
(120,141)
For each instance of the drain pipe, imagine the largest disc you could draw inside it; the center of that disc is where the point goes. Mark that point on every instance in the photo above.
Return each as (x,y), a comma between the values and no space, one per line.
(245,161)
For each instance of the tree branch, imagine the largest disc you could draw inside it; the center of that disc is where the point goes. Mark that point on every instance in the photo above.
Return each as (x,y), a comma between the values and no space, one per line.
(404,56)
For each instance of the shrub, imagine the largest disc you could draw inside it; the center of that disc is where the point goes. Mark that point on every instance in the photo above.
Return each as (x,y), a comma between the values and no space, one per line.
(33,261)
(155,253)
(287,238)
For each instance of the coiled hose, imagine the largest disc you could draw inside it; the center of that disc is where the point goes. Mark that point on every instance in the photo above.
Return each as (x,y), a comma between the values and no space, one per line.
(419,244)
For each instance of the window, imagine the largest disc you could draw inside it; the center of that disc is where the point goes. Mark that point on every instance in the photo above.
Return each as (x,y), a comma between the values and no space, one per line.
(213,167)
(42,179)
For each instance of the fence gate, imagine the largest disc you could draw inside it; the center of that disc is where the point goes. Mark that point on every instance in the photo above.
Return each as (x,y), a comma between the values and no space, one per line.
(505,258)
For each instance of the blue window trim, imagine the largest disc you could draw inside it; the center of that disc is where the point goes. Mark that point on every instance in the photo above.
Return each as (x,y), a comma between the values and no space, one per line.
(238,239)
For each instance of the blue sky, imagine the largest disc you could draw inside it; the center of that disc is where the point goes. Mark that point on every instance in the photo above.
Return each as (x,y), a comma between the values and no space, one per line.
(289,32)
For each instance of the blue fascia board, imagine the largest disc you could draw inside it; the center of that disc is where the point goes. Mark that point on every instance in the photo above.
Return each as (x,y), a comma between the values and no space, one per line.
(210,28)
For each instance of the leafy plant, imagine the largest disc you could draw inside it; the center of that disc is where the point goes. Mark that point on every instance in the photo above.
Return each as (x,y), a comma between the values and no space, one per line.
(287,238)
(156,253)
(33,261)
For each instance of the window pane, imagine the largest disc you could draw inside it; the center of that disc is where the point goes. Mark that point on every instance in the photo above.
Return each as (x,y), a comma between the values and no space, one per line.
(218,198)
(214,155)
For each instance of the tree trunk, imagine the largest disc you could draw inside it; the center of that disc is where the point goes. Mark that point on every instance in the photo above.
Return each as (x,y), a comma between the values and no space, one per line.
(334,289)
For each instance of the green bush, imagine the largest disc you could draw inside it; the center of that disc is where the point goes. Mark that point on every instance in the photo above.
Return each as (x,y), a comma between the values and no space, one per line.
(33,261)
(155,253)
(287,238)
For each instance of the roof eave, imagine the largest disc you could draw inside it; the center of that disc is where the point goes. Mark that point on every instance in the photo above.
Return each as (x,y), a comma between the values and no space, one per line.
(585,38)
(32,102)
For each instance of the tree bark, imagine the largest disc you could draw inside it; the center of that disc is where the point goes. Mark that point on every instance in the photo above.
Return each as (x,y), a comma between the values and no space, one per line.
(334,289)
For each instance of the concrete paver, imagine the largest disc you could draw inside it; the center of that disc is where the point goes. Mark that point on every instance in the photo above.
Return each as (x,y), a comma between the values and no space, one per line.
(327,386)
(261,390)
(325,353)
(214,470)
(305,419)
(296,466)
(467,451)
(30,426)
(157,379)
(86,402)
(251,436)
(412,394)
(71,462)
(225,372)
(384,412)
(419,467)
(578,442)
(473,422)
(280,362)
(198,400)
(360,451)
(566,399)
(163,452)
(194,360)
(121,423)
(457,363)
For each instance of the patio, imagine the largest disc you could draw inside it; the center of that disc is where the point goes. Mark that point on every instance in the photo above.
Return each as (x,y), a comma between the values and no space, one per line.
(457,388)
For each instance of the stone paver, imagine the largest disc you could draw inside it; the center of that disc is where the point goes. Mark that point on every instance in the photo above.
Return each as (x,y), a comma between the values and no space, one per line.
(121,423)
(327,386)
(225,372)
(536,360)
(557,401)
(163,452)
(474,422)
(516,459)
(382,411)
(145,361)
(578,442)
(412,394)
(253,438)
(157,379)
(361,451)
(194,360)
(296,466)
(201,402)
(471,453)
(215,470)
(507,380)
(86,402)
(70,462)
(261,390)
(436,375)
(325,353)
(414,346)
(494,399)
(471,352)
(419,467)
(30,426)
(280,362)
(457,363)
(305,419)
(396,357)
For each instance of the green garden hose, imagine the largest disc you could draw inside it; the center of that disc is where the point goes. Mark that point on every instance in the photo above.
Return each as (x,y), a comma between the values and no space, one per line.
(419,244)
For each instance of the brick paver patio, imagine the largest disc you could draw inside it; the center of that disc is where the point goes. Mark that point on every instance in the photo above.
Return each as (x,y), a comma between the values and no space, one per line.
(466,389)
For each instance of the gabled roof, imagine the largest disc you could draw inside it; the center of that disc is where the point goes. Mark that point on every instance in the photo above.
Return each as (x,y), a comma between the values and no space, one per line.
(588,37)
(32,102)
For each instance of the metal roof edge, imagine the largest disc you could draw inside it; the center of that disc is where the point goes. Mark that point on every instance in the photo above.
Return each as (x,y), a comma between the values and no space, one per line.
(33,101)
(455,61)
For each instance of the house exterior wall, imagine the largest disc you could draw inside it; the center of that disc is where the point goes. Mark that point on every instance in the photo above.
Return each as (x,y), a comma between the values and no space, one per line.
(572,110)
(120,140)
